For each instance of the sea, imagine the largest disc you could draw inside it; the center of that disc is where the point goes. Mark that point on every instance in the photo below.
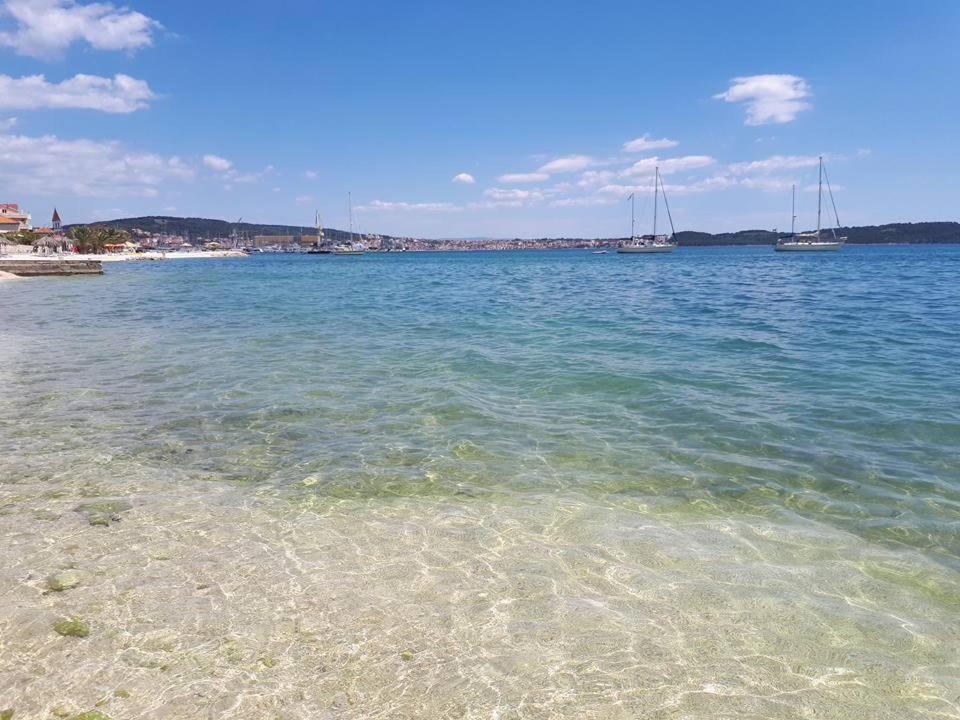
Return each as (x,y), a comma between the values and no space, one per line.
(719,483)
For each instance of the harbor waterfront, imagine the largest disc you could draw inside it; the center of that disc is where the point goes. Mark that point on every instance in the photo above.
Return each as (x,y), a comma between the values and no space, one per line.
(716,483)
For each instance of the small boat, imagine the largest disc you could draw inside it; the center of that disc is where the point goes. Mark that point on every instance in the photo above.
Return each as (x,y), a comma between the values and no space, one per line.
(812,241)
(650,243)
(599,252)
(352,248)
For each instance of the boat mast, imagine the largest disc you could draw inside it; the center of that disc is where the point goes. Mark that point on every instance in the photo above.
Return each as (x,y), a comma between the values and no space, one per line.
(633,232)
(656,181)
(819,195)
(832,202)
(350,206)
(666,204)
(793,209)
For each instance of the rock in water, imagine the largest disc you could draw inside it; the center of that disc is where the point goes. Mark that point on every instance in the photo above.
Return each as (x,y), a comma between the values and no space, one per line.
(58,582)
(103,513)
(72,627)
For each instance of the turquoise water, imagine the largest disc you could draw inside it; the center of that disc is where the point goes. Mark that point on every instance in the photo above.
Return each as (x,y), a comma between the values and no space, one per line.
(719,482)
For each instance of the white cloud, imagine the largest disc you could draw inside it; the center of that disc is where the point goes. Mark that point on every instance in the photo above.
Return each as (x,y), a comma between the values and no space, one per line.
(233,175)
(766,183)
(48,165)
(7,123)
(592,178)
(405,206)
(769,98)
(45,28)
(775,162)
(645,142)
(311,174)
(465,178)
(513,194)
(119,94)
(215,162)
(585,201)
(303,199)
(515,178)
(491,204)
(668,165)
(717,182)
(568,163)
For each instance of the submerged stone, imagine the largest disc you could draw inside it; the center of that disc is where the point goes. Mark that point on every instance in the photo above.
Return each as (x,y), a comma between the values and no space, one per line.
(6,714)
(121,693)
(58,582)
(103,513)
(91,715)
(407,655)
(72,627)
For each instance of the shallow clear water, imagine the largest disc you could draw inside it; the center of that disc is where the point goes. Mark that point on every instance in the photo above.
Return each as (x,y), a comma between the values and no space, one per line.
(720,483)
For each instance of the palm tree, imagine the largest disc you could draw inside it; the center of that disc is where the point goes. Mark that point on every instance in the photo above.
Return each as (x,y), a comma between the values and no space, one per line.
(115,236)
(25,237)
(87,238)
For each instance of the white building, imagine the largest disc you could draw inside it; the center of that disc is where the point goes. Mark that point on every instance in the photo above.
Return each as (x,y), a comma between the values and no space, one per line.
(13,219)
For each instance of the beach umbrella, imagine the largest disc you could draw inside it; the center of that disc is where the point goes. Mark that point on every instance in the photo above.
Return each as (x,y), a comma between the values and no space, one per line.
(49,242)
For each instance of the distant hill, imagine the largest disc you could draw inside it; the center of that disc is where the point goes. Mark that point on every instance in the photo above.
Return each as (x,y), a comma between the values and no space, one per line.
(923,232)
(202,229)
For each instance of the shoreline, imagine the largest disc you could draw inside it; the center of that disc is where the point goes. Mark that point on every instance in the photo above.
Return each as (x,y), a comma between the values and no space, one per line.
(123,257)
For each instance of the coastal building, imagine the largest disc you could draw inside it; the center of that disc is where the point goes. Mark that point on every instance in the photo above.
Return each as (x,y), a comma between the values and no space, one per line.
(55,226)
(51,238)
(13,219)
(261,241)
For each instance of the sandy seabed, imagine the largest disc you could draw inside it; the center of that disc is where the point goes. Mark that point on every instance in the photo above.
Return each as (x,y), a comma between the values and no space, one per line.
(213,601)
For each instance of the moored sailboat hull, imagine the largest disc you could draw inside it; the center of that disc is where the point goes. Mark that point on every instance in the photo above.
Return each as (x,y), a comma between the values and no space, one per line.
(807,246)
(630,249)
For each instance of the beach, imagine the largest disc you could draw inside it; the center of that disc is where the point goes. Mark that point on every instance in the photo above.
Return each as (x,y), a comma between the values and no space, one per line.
(23,253)
(486,485)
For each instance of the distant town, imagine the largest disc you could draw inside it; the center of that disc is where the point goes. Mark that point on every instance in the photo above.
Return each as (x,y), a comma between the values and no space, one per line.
(173,234)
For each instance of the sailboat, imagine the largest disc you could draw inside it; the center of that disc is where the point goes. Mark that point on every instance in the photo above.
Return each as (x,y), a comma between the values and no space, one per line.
(650,243)
(812,242)
(353,248)
(319,248)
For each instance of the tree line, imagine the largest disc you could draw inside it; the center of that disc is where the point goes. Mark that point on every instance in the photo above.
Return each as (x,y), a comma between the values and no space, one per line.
(87,239)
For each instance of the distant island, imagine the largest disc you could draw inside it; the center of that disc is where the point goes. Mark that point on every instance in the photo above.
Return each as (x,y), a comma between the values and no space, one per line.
(174,231)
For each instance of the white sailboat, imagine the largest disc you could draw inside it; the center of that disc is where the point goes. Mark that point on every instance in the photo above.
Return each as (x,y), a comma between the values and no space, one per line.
(650,243)
(812,242)
(353,248)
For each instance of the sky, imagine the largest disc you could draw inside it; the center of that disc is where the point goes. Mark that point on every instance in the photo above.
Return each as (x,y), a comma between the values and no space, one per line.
(480,119)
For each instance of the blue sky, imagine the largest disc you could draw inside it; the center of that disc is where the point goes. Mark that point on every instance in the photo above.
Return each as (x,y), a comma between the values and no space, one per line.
(273,111)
